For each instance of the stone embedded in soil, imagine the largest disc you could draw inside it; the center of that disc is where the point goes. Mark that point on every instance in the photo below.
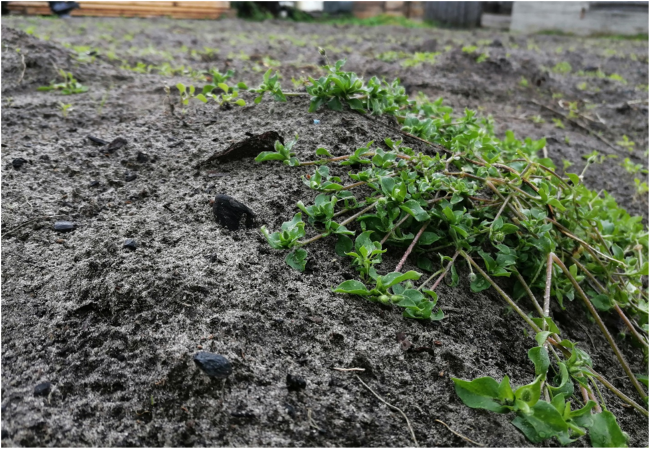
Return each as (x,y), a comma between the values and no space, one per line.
(18,162)
(228,212)
(97,140)
(142,157)
(250,147)
(114,145)
(130,177)
(64,226)
(295,383)
(42,389)
(130,244)
(214,365)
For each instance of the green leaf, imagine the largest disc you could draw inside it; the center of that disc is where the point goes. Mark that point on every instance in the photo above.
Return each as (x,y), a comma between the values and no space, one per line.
(529,394)
(543,422)
(242,85)
(539,356)
(269,156)
(202,98)
(413,208)
(643,378)
(550,324)
(355,104)
(297,259)
(602,302)
(479,284)
(352,287)
(505,391)
(181,87)
(323,152)
(605,431)
(343,245)
(541,337)
(395,278)
(335,104)
(425,263)
(480,393)
(240,102)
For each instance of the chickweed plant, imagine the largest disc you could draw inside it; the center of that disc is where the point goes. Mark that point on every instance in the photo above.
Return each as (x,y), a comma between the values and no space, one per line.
(69,85)
(495,207)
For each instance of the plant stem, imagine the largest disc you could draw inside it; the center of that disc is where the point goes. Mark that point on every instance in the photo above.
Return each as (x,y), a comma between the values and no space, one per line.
(616,306)
(602,327)
(411,246)
(530,293)
(343,223)
(394,228)
(503,294)
(442,276)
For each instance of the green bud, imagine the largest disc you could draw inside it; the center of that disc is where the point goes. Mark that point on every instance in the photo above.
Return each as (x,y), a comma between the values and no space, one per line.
(384,299)
(396,298)
(472,277)
(321,51)
(499,236)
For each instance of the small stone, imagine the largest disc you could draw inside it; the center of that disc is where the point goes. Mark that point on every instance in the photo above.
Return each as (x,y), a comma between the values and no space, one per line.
(214,365)
(19,162)
(5,434)
(437,343)
(130,177)
(42,389)
(228,212)
(142,157)
(115,145)
(295,383)
(130,244)
(93,184)
(64,226)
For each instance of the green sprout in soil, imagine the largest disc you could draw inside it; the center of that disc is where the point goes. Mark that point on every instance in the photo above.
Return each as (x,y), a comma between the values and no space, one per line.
(69,85)
(626,143)
(562,68)
(65,109)
(495,207)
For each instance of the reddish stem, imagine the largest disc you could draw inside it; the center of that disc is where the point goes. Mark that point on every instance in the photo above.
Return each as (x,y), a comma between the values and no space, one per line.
(411,246)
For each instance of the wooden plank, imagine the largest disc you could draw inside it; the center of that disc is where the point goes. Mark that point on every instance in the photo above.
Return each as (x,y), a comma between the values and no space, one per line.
(161,9)
(178,13)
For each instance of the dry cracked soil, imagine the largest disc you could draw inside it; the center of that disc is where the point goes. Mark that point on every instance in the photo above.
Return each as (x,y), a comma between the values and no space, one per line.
(108,333)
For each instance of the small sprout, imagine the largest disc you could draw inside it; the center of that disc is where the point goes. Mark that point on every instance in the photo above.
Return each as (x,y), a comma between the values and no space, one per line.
(65,109)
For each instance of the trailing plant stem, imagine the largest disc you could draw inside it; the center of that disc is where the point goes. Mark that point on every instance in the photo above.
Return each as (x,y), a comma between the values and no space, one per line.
(411,246)
(602,327)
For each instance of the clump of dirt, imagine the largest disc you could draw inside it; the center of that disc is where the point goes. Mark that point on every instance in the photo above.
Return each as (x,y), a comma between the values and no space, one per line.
(114,329)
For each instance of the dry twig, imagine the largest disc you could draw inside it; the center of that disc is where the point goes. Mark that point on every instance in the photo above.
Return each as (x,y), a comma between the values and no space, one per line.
(459,435)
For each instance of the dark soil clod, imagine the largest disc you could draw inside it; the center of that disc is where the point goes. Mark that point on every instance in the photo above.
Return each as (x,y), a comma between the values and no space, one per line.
(295,383)
(18,162)
(250,147)
(214,365)
(228,212)
(42,389)
(115,145)
(64,226)
(130,244)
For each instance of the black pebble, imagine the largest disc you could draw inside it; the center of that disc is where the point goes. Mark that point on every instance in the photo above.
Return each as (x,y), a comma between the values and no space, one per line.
(228,212)
(130,177)
(64,226)
(142,157)
(130,244)
(295,383)
(17,163)
(290,410)
(42,389)
(5,434)
(93,184)
(214,365)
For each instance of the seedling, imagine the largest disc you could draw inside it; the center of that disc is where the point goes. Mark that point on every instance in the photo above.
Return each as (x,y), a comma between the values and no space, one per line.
(69,85)
(65,109)
(271,85)
(626,143)
(562,68)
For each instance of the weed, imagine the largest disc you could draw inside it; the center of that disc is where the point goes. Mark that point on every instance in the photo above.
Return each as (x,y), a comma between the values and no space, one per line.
(69,85)
(523,82)
(537,119)
(562,68)
(65,109)
(626,143)
(532,221)
(558,123)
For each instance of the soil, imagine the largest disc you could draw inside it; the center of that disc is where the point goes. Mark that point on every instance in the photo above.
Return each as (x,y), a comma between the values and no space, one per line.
(114,329)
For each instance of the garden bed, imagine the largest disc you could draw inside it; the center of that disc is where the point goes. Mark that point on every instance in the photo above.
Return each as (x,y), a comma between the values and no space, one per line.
(114,330)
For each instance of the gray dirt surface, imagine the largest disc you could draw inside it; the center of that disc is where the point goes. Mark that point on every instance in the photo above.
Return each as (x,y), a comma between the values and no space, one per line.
(115,330)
